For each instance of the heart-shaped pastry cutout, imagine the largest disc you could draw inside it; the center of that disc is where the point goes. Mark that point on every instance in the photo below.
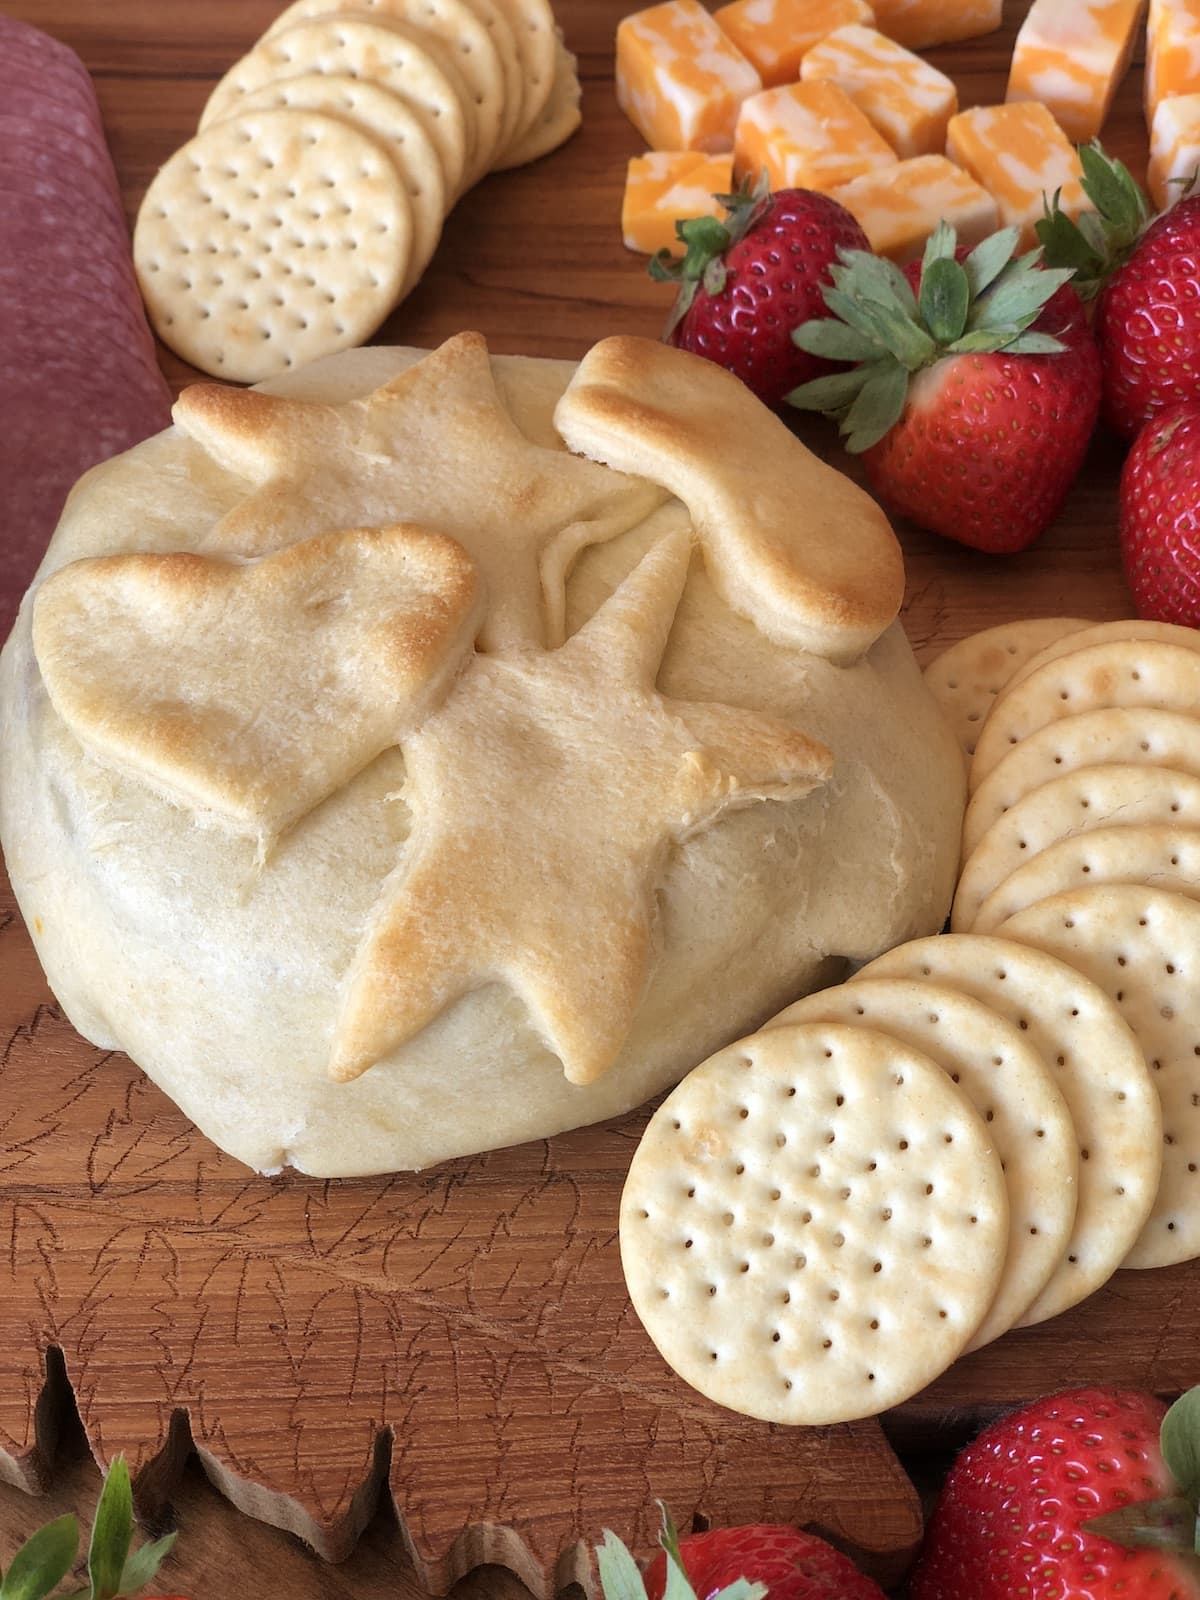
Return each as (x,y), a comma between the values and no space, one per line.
(254,690)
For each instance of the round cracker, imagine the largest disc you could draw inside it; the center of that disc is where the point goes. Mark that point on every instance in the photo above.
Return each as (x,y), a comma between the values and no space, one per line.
(454,27)
(1131,629)
(1099,1066)
(1164,677)
(270,240)
(354,48)
(814,1224)
(1014,1092)
(396,126)
(968,676)
(555,122)
(1078,802)
(1156,856)
(1140,738)
(1142,946)
(539,49)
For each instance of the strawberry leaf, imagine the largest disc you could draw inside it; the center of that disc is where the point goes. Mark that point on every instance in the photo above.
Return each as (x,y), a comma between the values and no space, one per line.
(878,407)
(875,278)
(1017,295)
(143,1564)
(989,259)
(1150,1525)
(1180,1439)
(42,1562)
(1101,239)
(1034,344)
(945,299)
(619,1575)
(834,341)
(939,246)
(112,1533)
(833,393)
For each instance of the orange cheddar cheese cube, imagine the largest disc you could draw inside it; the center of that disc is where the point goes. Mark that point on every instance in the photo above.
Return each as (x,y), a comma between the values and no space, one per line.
(681,80)
(905,99)
(1071,55)
(1019,154)
(920,24)
(807,136)
(774,35)
(666,186)
(1174,149)
(899,207)
(1172,52)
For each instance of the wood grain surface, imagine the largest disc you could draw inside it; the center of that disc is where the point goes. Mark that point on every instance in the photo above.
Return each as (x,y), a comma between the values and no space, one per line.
(462,1338)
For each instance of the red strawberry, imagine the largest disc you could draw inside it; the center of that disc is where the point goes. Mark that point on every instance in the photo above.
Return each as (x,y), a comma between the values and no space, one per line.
(749,1563)
(1147,279)
(746,283)
(976,389)
(1160,516)
(1018,1513)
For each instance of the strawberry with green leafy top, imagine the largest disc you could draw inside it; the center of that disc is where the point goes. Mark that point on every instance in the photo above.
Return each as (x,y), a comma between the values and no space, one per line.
(113,1567)
(745,283)
(1089,1495)
(745,1563)
(1145,278)
(975,386)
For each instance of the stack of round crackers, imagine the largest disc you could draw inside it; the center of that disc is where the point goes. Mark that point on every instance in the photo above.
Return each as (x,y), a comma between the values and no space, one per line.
(979,1128)
(313,197)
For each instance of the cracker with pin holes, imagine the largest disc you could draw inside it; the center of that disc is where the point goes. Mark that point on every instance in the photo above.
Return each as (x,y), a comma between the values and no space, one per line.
(452,26)
(814,1224)
(399,61)
(1134,737)
(1124,673)
(1142,946)
(398,129)
(1099,1066)
(271,239)
(1078,802)
(1131,630)
(968,676)
(1154,855)
(1013,1090)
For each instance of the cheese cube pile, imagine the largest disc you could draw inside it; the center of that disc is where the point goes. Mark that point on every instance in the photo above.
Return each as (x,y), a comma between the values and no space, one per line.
(664,187)
(905,99)
(1172,52)
(807,136)
(1019,154)
(1071,55)
(1174,149)
(775,35)
(921,24)
(680,79)
(899,207)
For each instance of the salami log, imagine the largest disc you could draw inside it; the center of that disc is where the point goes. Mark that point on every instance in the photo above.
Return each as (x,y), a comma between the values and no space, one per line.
(79,380)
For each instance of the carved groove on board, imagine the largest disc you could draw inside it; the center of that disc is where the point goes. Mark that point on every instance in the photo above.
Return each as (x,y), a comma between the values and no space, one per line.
(460,1340)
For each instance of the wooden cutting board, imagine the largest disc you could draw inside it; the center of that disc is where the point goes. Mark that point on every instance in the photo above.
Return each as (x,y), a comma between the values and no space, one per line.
(458,1340)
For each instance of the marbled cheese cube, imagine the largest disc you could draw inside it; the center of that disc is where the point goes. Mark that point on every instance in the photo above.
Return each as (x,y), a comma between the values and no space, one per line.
(1174,149)
(1172,52)
(1071,55)
(1021,157)
(900,206)
(920,24)
(909,102)
(666,186)
(774,35)
(680,80)
(807,136)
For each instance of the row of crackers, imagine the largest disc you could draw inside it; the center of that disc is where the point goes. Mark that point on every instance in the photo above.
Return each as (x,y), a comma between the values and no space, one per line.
(312,199)
(979,1128)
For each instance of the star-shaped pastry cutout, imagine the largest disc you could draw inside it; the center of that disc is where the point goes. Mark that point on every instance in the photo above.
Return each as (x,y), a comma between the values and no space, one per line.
(791,544)
(435,446)
(250,691)
(546,795)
